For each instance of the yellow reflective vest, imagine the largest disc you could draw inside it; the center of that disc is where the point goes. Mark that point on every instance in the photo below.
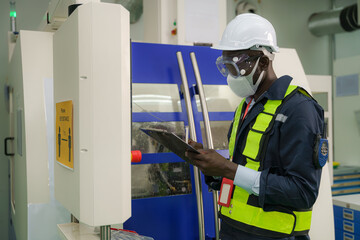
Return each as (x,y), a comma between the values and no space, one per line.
(244,210)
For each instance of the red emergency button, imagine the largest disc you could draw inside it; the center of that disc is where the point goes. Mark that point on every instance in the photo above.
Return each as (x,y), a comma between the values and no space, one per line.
(135,156)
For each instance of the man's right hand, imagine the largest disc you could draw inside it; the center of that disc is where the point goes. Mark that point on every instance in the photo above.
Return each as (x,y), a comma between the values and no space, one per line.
(195,145)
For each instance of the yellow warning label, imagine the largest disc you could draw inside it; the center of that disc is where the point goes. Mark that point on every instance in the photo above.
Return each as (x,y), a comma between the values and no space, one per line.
(64,134)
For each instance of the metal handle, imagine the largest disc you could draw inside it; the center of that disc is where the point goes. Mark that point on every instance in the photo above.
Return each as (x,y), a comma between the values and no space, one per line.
(348,236)
(5,143)
(348,214)
(208,134)
(348,226)
(197,175)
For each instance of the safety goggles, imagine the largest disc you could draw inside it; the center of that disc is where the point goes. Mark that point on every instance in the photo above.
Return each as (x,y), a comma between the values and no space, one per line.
(236,65)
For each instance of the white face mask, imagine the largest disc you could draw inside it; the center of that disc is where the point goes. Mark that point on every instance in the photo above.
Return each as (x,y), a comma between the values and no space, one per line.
(243,86)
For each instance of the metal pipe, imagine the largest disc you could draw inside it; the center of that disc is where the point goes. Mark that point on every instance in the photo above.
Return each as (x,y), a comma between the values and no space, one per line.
(208,133)
(334,21)
(105,232)
(333,58)
(197,175)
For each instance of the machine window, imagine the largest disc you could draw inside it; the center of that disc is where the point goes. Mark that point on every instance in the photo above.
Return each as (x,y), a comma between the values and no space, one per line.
(219,131)
(219,98)
(144,143)
(158,180)
(155,97)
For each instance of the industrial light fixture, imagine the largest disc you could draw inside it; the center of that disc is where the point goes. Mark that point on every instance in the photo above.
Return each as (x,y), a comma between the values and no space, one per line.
(12,16)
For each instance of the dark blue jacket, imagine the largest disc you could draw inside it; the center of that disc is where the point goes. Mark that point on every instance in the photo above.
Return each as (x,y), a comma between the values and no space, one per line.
(289,177)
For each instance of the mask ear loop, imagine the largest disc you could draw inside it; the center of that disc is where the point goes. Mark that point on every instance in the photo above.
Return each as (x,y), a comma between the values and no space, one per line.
(253,72)
(260,78)
(271,57)
(243,71)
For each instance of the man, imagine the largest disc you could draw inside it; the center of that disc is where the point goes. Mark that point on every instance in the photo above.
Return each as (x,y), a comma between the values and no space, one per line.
(271,181)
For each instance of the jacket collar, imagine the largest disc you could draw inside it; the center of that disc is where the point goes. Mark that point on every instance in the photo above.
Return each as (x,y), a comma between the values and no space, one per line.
(277,90)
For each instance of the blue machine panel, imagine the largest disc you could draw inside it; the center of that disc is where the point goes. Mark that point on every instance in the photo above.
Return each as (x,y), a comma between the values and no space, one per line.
(173,217)
(347,223)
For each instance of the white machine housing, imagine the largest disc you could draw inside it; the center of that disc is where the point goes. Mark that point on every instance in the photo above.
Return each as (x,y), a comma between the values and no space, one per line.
(30,64)
(92,68)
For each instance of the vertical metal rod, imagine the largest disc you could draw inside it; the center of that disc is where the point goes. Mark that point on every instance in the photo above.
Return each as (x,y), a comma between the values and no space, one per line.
(333,58)
(208,134)
(197,175)
(105,232)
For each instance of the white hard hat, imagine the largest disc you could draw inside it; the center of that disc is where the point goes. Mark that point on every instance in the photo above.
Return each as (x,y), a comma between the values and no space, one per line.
(247,31)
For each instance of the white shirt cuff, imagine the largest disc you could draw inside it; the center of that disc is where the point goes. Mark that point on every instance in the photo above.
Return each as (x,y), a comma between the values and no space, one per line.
(248,179)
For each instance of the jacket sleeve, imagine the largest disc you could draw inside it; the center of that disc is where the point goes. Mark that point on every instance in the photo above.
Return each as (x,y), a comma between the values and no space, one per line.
(295,182)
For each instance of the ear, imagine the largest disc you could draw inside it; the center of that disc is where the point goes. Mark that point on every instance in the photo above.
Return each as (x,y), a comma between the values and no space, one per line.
(264,63)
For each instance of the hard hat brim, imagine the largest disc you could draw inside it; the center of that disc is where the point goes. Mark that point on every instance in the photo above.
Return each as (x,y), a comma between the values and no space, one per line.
(227,48)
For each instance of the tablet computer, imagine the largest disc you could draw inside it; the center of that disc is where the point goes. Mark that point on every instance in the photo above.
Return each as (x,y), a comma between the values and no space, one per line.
(170,140)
